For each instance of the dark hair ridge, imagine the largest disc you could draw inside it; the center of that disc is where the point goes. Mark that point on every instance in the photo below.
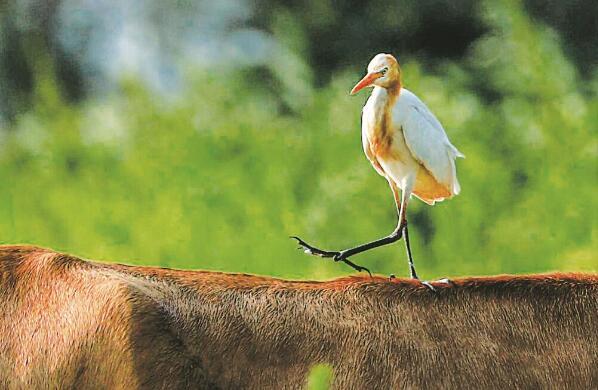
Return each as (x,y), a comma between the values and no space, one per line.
(69,323)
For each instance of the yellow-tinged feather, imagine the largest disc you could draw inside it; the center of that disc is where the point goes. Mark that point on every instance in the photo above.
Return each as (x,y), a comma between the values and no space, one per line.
(428,189)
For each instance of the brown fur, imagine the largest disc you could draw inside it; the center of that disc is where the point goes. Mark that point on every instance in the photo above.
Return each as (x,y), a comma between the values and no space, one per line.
(68,323)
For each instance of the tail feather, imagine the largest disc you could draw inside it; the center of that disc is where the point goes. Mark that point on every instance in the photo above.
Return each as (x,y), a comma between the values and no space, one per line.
(454,182)
(455,152)
(456,186)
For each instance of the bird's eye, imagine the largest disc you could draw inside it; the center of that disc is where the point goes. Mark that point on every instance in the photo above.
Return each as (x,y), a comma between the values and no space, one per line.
(383,71)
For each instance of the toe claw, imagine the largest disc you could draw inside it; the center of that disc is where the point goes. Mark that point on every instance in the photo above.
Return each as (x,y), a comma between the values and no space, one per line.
(429,285)
(356,267)
(365,269)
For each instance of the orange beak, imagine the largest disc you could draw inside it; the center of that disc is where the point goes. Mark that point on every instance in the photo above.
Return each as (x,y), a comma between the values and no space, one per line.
(365,82)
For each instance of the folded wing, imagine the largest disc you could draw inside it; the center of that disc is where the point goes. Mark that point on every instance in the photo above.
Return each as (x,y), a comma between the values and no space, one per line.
(429,144)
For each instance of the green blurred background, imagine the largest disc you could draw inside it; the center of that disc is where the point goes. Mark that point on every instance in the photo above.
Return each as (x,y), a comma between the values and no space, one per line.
(202,134)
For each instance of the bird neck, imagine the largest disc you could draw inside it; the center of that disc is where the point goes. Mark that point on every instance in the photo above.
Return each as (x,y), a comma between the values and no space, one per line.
(393,90)
(386,97)
(384,100)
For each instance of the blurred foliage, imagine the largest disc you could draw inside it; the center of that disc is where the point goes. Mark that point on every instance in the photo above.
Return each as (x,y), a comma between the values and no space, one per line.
(89,41)
(219,177)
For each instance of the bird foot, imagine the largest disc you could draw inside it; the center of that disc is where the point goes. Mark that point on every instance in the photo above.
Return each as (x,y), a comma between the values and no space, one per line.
(431,287)
(335,255)
(312,250)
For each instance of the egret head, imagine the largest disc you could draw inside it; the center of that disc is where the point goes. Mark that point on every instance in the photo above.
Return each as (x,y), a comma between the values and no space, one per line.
(383,71)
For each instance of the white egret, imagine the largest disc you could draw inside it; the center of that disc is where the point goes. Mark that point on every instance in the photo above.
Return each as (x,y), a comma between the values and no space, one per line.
(407,145)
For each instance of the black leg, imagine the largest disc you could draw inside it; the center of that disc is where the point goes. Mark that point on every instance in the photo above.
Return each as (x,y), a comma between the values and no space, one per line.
(345,254)
(391,238)
(412,266)
(408,247)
